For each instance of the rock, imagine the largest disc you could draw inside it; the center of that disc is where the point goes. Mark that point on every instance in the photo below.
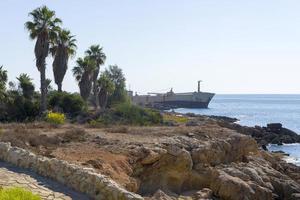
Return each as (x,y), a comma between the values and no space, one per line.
(296,196)
(235,148)
(204,193)
(281,152)
(190,134)
(234,188)
(224,118)
(151,158)
(168,173)
(274,127)
(274,133)
(160,195)
(192,123)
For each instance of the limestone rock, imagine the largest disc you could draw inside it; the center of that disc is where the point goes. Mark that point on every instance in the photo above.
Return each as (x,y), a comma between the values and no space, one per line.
(152,157)
(204,193)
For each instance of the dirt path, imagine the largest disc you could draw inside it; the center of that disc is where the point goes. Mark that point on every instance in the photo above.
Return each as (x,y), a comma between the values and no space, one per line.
(12,176)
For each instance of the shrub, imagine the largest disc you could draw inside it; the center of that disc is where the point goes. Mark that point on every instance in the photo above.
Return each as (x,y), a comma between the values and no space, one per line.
(71,104)
(133,114)
(19,108)
(55,118)
(127,113)
(17,194)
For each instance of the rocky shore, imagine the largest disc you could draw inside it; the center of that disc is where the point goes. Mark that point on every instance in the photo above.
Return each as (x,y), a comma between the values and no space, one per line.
(273,133)
(203,158)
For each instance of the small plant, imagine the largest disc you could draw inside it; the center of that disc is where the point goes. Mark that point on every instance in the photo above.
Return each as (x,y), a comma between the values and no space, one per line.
(17,194)
(55,118)
(175,118)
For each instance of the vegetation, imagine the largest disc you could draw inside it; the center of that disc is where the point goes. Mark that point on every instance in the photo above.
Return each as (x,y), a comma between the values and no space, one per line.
(107,90)
(126,113)
(68,103)
(55,118)
(95,53)
(3,80)
(26,86)
(17,194)
(43,28)
(115,74)
(22,103)
(62,47)
(175,118)
(83,73)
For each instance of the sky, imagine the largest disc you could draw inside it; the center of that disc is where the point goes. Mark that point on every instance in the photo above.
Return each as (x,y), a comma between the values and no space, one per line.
(233,46)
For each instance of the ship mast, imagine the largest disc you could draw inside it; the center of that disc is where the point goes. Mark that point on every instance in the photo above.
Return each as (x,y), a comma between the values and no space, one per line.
(199,85)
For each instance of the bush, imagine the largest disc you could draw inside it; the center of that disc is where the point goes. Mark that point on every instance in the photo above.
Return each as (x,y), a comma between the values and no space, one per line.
(126,113)
(17,194)
(19,108)
(68,103)
(55,118)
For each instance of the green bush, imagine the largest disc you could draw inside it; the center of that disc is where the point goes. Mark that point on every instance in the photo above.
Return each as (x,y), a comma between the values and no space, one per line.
(19,108)
(126,113)
(55,118)
(68,103)
(17,194)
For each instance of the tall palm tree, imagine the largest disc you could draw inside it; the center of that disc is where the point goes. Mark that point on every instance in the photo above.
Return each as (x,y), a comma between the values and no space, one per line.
(62,48)
(83,73)
(95,52)
(43,28)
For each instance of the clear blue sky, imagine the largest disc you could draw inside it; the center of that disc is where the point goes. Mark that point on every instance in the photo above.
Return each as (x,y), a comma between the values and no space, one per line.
(233,46)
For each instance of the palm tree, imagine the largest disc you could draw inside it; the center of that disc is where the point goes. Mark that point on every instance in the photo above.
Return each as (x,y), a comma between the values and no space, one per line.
(26,85)
(43,28)
(95,52)
(61,49)
(106,87)
(83,73)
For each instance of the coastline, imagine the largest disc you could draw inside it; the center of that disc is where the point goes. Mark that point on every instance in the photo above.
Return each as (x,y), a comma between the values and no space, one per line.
(273,137)
(194,157)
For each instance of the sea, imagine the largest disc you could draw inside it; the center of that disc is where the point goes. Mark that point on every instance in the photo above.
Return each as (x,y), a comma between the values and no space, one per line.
(259,109)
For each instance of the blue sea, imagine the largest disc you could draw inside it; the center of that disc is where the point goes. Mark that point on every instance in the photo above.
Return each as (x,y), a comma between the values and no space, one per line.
(252,109)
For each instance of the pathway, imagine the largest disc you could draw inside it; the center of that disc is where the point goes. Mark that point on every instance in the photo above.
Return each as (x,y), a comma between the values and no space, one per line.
(13,176)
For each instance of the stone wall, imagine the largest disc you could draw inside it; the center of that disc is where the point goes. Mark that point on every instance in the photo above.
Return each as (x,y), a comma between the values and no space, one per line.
(85,180)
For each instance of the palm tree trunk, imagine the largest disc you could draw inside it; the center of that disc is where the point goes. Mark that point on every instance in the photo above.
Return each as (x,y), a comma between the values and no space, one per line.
(43,88)
(95,93)
(59,87)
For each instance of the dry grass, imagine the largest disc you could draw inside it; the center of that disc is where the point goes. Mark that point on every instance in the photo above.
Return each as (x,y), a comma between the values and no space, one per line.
(73,135)
(117,129)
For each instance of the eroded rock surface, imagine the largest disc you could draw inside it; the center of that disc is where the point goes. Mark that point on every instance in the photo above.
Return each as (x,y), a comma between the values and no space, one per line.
(231,168)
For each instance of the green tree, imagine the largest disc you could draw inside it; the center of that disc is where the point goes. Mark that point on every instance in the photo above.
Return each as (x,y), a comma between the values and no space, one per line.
(43,28)
(3,81)
(26,86)
(106,88)
(83,73)
(95,52)
(62,48)
(115,74)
